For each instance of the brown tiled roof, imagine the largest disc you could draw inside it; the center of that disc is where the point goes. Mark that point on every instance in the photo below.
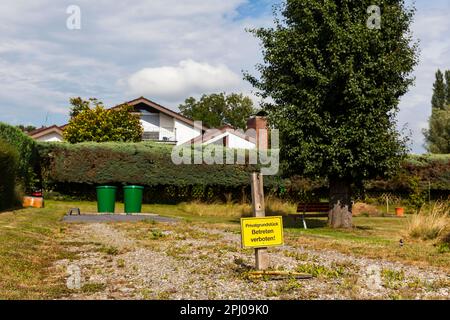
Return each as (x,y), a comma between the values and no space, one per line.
(44,130)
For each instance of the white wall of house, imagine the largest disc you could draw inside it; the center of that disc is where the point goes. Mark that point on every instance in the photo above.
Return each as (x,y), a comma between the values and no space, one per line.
(236,142)
(50,137)
(169,128)
(185,132)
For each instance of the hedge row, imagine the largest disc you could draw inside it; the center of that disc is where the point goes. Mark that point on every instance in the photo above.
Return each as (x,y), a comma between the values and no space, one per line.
(418,172)
(77,169)
(9,159)
(148,164)
(28,167)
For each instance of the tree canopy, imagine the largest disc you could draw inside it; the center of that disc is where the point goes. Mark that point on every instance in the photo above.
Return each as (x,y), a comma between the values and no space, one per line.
(97,124)
(335,83)
(437,136)
(439,99)
(216,110)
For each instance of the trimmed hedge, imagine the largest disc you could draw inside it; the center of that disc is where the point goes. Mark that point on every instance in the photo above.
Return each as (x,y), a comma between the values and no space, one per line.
(76,169)
(73,171)
(28,155)
(144,163)
(8,167)
(418,172)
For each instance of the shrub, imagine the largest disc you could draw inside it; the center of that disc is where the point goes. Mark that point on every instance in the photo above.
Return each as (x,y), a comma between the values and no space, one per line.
(144,163)
(8,168)
(430,225)
(75,169)
(101,125)
(418,174)
(28,156)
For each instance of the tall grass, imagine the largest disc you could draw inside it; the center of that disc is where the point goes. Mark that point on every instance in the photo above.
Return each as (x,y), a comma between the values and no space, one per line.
(430,224)
(274,206)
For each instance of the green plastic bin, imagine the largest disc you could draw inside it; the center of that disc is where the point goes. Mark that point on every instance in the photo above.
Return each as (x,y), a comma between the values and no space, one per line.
(133,199)
(106,199)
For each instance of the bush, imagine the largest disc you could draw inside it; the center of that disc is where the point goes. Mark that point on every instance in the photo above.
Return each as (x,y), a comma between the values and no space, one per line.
(418,174)
(101,125)
(430,225)
(8,167)
(75,170)
(28,156)
(144,163)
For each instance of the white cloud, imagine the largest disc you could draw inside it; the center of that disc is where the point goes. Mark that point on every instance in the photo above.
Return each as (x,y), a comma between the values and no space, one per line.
(174,83)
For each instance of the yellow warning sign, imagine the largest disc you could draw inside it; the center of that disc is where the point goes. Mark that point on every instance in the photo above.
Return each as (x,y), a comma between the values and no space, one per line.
(262,232)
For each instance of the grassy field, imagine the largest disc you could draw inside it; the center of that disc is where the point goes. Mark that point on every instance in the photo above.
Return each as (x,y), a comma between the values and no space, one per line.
(28,247)
(31,240)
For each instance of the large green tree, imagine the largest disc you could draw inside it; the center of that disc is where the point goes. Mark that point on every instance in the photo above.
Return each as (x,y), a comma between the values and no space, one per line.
(335,82)
(437,136)
(97,124)
(447,91)
(218,109)
(438,100)
(26,129)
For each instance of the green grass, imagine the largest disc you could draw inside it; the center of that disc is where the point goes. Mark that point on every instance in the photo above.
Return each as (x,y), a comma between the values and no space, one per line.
(374,237)
(28,246)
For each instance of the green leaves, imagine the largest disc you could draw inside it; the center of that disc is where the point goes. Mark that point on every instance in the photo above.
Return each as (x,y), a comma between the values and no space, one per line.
(437,136)
(336,85)
(9,161)
(216,110)
(439,99)
(26,147)
(98,124)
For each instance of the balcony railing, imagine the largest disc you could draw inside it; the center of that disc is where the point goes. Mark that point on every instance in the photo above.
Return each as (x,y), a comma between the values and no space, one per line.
(162,134)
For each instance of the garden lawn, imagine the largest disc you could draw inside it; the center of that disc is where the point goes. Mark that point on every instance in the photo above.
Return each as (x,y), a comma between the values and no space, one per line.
(28,247)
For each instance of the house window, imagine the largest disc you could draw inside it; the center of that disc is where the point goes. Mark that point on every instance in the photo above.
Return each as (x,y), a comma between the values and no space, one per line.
(151,124)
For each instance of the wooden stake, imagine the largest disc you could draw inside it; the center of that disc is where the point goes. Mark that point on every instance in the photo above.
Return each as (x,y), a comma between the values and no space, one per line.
(257,184)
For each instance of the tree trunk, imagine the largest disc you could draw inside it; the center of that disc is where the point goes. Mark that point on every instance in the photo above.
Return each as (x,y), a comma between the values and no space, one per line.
(340,215)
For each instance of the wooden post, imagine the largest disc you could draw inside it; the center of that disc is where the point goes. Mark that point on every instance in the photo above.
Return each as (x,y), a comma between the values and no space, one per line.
(261,255)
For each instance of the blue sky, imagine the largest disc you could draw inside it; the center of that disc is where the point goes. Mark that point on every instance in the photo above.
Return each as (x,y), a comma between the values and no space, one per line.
(166,50)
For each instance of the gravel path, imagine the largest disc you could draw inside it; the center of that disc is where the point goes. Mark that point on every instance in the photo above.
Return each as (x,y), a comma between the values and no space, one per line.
(187,261)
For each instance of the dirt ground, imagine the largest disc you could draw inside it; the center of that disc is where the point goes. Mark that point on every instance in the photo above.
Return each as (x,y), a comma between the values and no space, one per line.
(187,260)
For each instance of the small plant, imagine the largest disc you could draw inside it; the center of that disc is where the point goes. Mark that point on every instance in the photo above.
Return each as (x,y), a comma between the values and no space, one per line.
(121,263)
(90,288)
(156,234)
(320,271)
(443,247)
(112,251)
(392,278)
(429,225)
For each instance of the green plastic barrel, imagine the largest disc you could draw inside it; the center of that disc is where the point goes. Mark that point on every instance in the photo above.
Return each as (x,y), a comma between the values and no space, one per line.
(106,199)
(133,199)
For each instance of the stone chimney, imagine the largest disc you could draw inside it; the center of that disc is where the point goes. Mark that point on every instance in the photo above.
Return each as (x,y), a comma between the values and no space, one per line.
(259,124)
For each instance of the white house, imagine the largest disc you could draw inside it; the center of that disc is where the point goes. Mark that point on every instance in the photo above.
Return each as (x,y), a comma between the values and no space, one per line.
(166,126)
(48,134)
(162,124)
